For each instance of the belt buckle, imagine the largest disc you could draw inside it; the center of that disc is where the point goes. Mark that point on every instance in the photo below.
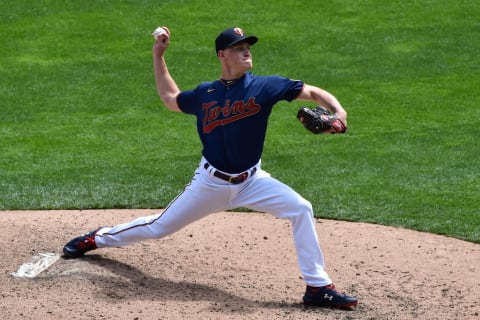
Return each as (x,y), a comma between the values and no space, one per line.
(238,179)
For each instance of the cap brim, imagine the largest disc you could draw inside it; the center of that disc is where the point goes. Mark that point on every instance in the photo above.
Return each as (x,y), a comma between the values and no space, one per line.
(251,40)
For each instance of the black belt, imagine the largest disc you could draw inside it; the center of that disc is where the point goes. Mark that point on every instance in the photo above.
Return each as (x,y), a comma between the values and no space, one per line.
(232,179)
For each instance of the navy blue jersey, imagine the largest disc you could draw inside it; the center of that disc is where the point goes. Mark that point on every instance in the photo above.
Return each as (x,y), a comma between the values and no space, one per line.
(232,119)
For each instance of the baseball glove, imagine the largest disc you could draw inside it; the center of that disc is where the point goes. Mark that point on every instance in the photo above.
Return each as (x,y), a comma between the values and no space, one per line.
(320,120)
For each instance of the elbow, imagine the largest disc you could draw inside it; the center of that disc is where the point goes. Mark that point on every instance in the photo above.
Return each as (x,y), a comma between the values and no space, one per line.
(170,102)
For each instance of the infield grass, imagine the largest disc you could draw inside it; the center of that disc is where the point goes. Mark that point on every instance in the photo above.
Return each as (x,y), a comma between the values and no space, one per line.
(81,125)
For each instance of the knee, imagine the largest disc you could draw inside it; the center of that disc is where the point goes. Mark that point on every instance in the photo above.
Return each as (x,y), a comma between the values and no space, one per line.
(304,207)
(303,214)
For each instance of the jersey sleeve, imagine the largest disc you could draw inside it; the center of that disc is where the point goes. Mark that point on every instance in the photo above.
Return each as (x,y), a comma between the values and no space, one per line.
(187,100)
(190,101)
(285,88)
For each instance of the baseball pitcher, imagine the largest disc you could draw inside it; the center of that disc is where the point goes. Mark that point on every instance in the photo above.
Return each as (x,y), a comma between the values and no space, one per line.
(231,118)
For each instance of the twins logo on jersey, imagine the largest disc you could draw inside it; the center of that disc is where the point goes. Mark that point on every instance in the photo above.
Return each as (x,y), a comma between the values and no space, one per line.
(215,115)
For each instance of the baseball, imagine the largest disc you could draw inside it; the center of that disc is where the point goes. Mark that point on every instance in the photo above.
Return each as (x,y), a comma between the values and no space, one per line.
(158,32)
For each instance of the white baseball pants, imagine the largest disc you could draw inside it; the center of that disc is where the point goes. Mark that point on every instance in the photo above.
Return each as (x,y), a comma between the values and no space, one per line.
(208,194)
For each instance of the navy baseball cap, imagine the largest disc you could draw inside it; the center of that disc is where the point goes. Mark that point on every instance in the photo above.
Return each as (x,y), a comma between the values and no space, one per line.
(231,37)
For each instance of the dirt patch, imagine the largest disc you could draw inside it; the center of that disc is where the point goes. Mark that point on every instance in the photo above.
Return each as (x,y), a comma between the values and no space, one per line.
(232,266)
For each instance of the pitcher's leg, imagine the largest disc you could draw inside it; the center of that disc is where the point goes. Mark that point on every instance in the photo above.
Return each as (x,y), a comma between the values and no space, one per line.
(201,197)
(144,228)
(191,205)
(267,194)
(155,226)
(310,255)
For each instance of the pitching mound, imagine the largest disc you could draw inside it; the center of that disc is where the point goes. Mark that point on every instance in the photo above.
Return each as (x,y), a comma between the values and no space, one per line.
(229,266)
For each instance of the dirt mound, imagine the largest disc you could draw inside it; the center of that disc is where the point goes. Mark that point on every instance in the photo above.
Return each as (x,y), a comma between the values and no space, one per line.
(232,266)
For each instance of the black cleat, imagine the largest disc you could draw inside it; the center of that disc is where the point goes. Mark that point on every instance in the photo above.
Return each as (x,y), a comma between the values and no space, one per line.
(77,247)
(328,297)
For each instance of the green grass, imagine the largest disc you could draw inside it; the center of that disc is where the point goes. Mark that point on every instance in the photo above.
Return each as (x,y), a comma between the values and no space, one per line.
(81,125)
